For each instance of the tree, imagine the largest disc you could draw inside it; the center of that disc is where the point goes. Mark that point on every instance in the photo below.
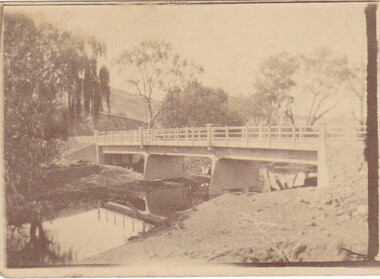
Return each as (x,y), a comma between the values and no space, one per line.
(272,87)
(77,57)
(32,114)
(322,82)
(41,72)
(104,80)
(357,87)
(197,105)
(152,70)
(301,88)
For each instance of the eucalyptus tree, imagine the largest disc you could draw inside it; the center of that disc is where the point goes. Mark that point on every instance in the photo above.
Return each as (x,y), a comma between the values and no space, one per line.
(153,71)
(304,88)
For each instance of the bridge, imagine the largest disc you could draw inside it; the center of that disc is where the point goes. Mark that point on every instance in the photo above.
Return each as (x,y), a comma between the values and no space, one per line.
(235,152)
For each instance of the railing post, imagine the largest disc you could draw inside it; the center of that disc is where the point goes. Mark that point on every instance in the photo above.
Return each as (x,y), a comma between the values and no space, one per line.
(269,131)
(177,135)
(209,135)
(186,135)
(226,136)
(192,135)
(294,136)
(247,135)
(322,167)
(164,136)
(153,135)
(347,133)
(96,132)
(112,137)
(260,132)
(141,129)
(121,137)
(322,135)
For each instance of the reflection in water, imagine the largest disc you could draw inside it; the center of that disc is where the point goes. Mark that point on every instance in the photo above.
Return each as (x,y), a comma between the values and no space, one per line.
(74,238)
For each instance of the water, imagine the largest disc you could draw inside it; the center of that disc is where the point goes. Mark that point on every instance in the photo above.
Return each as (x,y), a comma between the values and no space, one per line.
(81,236)
(87,235)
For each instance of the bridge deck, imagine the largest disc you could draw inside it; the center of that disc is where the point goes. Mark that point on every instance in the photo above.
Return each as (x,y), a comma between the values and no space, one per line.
(281,137)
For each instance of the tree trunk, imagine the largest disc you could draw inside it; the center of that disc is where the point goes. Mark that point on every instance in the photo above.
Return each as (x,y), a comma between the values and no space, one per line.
(150,114)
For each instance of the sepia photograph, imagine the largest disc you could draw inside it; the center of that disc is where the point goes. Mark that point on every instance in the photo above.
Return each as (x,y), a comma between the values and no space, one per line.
(227,134)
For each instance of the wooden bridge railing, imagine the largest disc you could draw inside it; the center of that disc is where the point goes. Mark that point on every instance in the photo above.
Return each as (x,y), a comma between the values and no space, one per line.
(262,136)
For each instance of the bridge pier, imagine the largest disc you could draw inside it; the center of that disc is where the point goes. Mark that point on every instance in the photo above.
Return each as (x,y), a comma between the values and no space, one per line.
(323,180)
(99,155)
(163,167)
(230,174)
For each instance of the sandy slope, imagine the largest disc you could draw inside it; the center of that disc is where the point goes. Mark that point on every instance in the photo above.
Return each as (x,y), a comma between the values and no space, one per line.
(304,224)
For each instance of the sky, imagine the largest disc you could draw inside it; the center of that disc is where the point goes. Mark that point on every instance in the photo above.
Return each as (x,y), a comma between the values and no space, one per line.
(229,41)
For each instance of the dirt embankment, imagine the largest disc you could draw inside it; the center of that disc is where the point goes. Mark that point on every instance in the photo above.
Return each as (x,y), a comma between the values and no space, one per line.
(304,224)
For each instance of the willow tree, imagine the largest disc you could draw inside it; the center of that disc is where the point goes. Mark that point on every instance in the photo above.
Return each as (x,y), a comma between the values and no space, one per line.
(43,94)
(84,84)
(152,70)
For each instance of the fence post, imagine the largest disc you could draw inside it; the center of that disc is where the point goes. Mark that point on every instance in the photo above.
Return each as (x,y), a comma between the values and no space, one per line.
(209,135)
(112,137)
(141,129)
(177,135)
(269,130)
(164,136)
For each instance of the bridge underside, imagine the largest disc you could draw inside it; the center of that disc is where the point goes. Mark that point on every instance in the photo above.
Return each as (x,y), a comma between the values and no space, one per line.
(236,168)
(251,154)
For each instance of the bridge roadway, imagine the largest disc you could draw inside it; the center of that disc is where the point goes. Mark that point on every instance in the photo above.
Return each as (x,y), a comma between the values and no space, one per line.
(235,152)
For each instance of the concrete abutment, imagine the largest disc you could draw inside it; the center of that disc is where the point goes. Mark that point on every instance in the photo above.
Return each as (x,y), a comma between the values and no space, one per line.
(231,174)
(163,167)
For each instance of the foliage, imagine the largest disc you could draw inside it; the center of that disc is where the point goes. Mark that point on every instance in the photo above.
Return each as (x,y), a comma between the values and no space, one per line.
(197,105)
(358,93)
(302,88)
(322,82)
(152,70)
(32,115)
(43,95)
(272,88)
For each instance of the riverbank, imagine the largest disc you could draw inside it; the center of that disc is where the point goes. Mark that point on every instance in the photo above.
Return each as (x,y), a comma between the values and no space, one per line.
(75,185)
(293,225)
(310,224)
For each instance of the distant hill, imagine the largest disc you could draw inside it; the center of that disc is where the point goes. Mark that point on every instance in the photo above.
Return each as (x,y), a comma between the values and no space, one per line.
(130,105)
